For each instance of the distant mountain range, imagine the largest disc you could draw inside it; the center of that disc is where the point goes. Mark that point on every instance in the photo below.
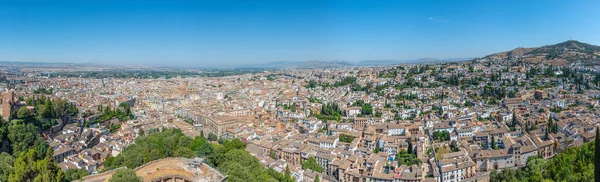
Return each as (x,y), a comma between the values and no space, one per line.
(45,64)
(563,53)
(411,61)
(560,54)
(301,65)
(340,64)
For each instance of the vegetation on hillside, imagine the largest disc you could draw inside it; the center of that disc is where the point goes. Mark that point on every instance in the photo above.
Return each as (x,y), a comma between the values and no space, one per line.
(229,157)
(573,164)
(312,164)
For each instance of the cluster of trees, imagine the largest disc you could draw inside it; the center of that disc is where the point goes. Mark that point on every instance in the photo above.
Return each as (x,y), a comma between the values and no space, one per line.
(158,145)
(496,76)
(597,79)
(312,164)
(51,108)
(291,107)
(314,100)
(530,126)
(311,84)
(454,79)
(43,91)
(367,109)
(411,82)
(189,120)
(229,157)
(415,70)
(125,175)
(513,123)
(533,172)
(573,164)
(551,127)
(441,135)
(359,88)
(343,82)
(47,111)
(285,177)
(408,157)
(392,73)
(23,137)
(475,80)
(493,144)
(30,167)
(454,146)
(27,157)
(498,93)
(75,174)
(346,138)
(123,113)
(330,111)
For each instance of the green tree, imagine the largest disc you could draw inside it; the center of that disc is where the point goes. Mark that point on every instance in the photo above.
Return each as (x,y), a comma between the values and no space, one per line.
(410,147)
(317,178)
(493,143)
(273,155)
(201,146)
(288,175)
(550,125)
(346,138)
(229,158)
(597,156)
(212,137)
(405,158)
(185,152)
(535,167)
(75,174)
(23,113)
(454,146)
(157,145)
(248,169)
(24,167)
(573,164)
(442,135)
(125,175)
(22,136)
(367,109)
(27,167)
(6,165)
(312,164)
(48,170)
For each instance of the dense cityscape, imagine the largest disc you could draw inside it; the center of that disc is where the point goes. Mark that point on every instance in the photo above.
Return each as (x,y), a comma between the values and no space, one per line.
(522,115)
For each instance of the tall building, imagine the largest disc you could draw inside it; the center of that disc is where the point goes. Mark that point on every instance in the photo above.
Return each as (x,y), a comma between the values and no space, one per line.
(8,102)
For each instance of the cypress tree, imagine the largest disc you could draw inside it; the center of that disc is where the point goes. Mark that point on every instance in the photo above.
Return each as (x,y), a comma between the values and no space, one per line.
(493,143)
(597,156)
(550,124)
(410,147)
(288,175)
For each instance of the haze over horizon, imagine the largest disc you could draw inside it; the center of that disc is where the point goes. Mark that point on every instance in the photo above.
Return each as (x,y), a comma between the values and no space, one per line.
(230,33)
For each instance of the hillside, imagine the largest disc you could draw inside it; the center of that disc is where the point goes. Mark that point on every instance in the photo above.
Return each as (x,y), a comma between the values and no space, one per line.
(558,54)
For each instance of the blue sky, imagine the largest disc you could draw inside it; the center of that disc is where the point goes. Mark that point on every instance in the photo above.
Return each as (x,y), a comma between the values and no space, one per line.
(232,33)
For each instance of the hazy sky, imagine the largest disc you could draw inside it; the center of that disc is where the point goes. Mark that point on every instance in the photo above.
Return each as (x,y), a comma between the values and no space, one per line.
(228,33)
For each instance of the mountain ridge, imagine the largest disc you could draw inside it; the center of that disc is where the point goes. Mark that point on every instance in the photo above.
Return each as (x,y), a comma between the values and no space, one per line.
(560,54)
